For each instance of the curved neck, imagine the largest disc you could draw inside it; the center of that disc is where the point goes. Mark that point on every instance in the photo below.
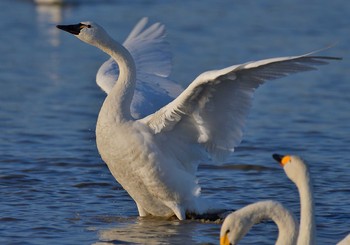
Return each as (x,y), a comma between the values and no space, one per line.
(284,219)
(117,104)
(307,228)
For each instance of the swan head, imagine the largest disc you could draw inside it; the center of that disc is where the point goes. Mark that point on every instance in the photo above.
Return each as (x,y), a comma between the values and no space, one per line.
(233,229)
(294,166)
(87,31)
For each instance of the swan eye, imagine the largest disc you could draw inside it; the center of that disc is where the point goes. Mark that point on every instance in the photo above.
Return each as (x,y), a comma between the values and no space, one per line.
(82,26)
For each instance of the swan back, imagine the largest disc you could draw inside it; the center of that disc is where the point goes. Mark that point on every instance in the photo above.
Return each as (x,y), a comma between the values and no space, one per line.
(237,224)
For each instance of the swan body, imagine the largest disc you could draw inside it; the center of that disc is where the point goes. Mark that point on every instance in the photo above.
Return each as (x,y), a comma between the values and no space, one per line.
(238,223)
(298,172)
(155,157)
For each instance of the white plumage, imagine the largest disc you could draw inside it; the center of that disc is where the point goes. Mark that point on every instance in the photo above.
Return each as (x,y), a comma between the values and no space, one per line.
(237,224)
(298,172)
(153,60)
(154,155)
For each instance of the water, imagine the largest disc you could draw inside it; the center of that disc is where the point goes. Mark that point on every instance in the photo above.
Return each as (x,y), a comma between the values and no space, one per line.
(54,187)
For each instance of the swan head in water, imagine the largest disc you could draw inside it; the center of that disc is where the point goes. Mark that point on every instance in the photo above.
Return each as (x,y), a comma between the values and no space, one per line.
(87,31)
(294,166)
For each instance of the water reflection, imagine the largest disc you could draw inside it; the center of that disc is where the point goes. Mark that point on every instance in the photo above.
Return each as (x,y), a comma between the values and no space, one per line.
(153,230)
(48,16)
(64,2)
(49,2)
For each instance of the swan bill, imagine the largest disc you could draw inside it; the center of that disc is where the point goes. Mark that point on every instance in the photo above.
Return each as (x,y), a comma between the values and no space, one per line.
(224,240)
(74,29)
(283,160)
(277,157)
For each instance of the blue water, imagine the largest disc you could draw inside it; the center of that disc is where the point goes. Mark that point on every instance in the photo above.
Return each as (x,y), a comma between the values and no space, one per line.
(54,187)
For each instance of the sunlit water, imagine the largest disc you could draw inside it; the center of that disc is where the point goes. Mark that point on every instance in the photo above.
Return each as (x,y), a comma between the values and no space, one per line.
(55,189)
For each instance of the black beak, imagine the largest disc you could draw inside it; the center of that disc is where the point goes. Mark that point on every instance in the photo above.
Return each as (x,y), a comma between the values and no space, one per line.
(74,29)
(277,157)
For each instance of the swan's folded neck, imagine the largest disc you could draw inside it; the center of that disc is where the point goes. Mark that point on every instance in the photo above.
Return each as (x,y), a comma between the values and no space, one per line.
(116,106)
(285,221)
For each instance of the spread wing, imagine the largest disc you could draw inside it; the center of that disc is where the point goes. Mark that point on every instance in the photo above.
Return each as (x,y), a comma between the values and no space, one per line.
(152,56)
(210,113)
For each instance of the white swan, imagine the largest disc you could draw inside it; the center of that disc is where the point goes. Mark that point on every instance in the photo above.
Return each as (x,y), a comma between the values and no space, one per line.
(297,171)
(238,223)
(155,158)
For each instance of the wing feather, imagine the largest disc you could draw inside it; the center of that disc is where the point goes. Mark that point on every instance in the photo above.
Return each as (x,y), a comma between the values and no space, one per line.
(212,111)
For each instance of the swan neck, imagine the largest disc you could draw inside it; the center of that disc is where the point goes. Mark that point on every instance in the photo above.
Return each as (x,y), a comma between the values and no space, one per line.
(287,227)
(307,228)
(284,219)
(118,102)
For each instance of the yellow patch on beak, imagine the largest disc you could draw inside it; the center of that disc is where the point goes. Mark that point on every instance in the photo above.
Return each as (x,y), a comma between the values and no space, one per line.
(285,160)
(224,240)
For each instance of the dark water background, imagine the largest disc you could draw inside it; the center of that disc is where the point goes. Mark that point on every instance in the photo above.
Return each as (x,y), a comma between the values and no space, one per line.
(55,189)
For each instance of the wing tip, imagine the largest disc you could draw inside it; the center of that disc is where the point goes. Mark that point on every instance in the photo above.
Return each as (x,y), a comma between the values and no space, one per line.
(326,57)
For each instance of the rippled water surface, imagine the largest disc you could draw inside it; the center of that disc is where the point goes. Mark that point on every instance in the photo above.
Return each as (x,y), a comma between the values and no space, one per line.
(54,187)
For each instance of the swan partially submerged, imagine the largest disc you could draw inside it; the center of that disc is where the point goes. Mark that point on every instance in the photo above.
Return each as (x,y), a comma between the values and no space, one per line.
(155,157)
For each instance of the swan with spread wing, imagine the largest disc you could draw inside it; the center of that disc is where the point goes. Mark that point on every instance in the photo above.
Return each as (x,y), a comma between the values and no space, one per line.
(154,155)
